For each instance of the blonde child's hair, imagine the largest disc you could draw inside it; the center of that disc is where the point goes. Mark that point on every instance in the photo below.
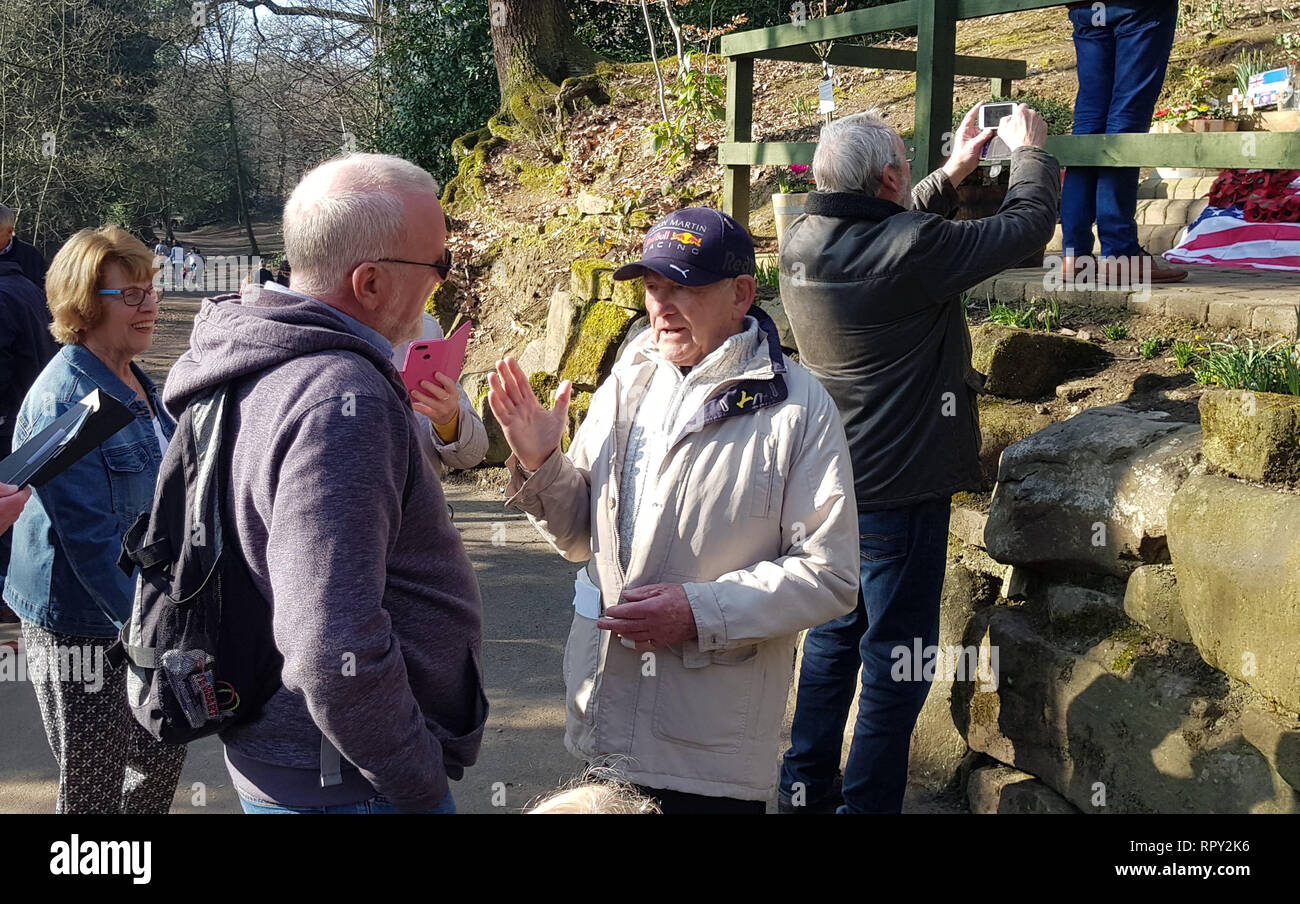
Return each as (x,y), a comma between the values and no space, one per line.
(596,791)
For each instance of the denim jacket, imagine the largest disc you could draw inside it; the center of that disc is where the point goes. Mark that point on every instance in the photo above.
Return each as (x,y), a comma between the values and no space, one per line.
(63,573)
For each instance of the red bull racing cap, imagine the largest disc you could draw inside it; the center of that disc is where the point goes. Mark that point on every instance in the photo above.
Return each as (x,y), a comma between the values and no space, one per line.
(694,247)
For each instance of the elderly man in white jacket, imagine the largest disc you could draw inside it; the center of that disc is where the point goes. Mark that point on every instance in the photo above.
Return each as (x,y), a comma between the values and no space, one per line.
(710,492)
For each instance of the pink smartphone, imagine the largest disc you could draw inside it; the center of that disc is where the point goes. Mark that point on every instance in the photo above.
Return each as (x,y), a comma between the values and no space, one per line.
(426,357)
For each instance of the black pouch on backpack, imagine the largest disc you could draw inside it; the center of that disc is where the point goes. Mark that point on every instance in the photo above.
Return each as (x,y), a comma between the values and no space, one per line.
(199,647)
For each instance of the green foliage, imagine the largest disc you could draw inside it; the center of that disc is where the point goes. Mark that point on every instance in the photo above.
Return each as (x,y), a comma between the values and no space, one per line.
(1151,347)
(77,82)
(1041,314)
(1115,331)
(1049,317)
(794,179)
(1260,368)
(702,96)
(1006,316)
(1184,353)
(677,136)
(1058,116)
(768,274)
(696,96)
(1249,63)
(441,78)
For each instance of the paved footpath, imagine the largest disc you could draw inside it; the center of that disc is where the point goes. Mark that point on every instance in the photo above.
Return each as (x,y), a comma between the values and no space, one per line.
(526,591)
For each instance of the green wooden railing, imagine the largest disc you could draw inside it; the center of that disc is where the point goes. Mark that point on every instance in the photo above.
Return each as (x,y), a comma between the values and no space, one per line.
(936,63)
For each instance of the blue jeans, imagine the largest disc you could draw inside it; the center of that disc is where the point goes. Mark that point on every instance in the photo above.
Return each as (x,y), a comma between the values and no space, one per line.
(904,552)
(377,804)
(1121,67)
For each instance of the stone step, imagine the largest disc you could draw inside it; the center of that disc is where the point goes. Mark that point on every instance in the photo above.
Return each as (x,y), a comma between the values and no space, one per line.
(1001,789)
(1155,187)
(1170,211)
(1219,296)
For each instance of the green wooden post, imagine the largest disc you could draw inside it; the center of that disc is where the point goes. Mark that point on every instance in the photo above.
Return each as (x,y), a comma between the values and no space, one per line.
(936,48)
(740,117)
(1001,87)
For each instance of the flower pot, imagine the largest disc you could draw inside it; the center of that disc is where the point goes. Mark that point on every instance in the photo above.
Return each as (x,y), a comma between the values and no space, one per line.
(1213,125)
(785,207)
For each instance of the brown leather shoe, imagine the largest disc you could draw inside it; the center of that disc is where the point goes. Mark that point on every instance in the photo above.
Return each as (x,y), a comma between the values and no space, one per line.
(1162,271)
(1117,272)
(1071,265)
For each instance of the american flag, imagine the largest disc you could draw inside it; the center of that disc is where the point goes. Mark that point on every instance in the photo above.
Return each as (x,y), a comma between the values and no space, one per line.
(1223,238)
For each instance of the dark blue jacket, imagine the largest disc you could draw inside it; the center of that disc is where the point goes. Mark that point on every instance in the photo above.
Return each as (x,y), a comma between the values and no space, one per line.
(28,259)
(63,573)
(26,345)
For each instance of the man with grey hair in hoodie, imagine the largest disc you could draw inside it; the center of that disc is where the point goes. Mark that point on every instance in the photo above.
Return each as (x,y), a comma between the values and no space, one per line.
(342,524)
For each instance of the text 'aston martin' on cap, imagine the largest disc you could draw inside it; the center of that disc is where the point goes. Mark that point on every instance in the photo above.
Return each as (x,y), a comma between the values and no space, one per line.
(694,247)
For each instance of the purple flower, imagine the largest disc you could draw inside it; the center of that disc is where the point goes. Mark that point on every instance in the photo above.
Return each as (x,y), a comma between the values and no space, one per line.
(799,168)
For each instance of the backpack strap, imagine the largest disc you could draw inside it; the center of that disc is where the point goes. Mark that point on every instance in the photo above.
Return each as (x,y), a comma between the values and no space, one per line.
(331,763)
(135,552)
(122,649)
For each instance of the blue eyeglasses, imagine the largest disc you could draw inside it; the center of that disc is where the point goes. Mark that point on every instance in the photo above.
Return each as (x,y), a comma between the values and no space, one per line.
(134,296)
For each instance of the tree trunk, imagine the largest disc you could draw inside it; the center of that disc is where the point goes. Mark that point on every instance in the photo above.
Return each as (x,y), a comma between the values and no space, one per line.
(535,49)
(238,160)
(535,37)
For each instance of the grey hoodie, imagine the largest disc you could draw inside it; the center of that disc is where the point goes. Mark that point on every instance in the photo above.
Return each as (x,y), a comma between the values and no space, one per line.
(345,530)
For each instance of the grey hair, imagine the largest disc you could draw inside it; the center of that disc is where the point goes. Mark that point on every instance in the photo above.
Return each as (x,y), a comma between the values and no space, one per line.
(852,154)
(348,210)
(7,217)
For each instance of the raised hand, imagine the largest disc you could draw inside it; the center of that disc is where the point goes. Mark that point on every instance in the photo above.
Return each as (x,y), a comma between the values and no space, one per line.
(1023,128)
(968,142)
(532,431)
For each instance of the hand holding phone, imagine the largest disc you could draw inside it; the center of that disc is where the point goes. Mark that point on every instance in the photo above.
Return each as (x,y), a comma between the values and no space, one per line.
(1022,127)
(427,357)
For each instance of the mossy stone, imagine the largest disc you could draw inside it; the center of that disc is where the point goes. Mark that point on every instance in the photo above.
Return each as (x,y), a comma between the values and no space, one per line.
(442,304)
(466,187)
(1252,435)
(579,405)
(1003,424)
(592,280)
(544,386)
(1028,364)
(600,331)
(630,294)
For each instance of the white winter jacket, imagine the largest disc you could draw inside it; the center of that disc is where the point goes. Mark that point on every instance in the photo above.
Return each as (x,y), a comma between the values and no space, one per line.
(757,520)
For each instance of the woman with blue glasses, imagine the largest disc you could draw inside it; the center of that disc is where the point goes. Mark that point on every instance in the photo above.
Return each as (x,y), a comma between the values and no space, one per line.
(63,581)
